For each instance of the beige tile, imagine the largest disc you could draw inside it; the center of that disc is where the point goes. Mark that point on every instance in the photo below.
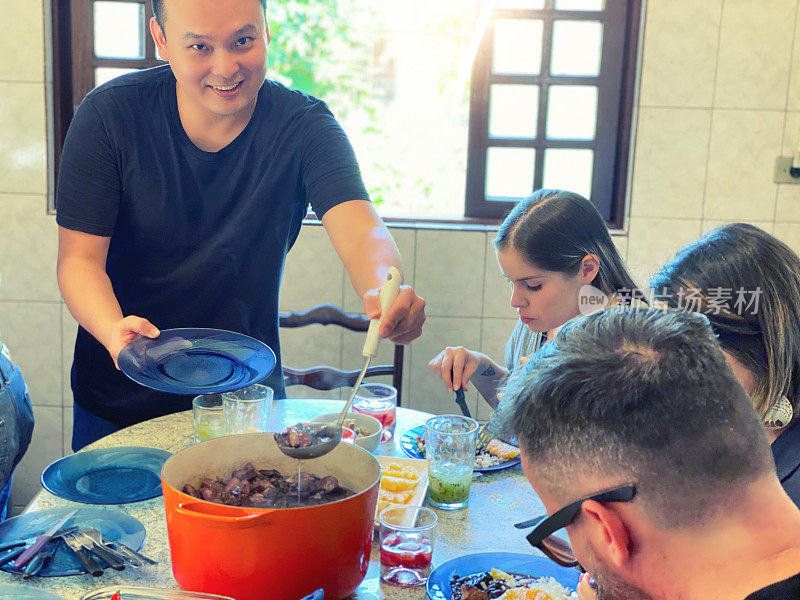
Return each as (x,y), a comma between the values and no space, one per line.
(494,334)
(46,446)
(313,273)
(22,44)
(788,203)
(655,241)
(311,346)
(621,242)
(680,53)
(406,240)
(670,162)
(741,164)
(28,249)
(709,224)
(427,392)
(496,290)
(755,54)
(23,149)
(450,270)
(789,233)
(794,73)
(69,330)
(32,331)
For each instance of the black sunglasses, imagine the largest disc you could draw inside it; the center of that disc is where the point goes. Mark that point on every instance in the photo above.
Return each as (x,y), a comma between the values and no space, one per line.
(557,548)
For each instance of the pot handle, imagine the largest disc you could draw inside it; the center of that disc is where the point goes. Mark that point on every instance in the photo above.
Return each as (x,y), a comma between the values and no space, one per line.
(220,515)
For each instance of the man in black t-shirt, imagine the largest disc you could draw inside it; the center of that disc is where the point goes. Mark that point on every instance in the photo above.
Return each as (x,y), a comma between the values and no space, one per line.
(639,441)
(181,189)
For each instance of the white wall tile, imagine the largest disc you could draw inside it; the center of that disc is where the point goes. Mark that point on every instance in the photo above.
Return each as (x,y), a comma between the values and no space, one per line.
(23,145)
(427,392)
(450,270)
(28,249)
(670,162)
(621,242)
(794,73)
(46,446)
(496,289)
(755,54)
(32,331)
(22,43)
(789,233)
(654,241)
(788,203)
(313,273)
(680,52)
(741,164)
(67,430)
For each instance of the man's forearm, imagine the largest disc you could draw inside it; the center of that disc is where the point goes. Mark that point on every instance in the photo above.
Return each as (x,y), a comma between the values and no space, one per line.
(89,296)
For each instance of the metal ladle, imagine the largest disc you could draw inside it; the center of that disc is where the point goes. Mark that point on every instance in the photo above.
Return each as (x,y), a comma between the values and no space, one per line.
(330,434)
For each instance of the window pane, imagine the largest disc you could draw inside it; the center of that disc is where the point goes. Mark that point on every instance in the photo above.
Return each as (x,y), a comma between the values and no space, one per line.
(580,4)
(103,74)
(118,30)
(526,4)
(572,112)
(577,46)
(509,172)
(513,111)
(569,170)
(517,46)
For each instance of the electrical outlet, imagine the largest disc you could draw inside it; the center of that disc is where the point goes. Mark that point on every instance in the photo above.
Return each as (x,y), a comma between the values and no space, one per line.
(782,175)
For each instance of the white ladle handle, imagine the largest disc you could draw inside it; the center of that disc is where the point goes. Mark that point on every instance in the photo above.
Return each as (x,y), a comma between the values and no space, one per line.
(389,289)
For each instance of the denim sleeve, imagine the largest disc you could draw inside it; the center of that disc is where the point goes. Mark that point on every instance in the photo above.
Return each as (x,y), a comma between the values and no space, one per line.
(16,416)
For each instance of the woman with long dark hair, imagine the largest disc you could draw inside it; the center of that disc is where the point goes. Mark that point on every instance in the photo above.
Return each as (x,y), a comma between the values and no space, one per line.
(550,247)
(747,283)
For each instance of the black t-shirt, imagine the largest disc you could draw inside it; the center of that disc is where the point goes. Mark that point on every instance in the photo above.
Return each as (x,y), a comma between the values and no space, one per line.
(788,589)
(198,239)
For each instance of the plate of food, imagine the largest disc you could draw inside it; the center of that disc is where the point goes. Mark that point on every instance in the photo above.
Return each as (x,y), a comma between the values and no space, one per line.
(491,575)
(196,361)
(403,481)
(497,455)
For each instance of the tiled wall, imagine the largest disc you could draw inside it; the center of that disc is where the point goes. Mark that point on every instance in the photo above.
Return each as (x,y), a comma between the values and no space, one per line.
(719,100)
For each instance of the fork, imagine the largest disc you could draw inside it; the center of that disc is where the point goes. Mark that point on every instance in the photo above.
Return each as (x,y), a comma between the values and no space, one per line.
(483,438)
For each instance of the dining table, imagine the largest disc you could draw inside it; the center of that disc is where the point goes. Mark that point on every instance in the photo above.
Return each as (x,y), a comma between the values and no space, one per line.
(497,500)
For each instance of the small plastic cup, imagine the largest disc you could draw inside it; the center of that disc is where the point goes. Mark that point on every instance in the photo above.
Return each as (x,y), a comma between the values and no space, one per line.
(209,417)
(450,450)
(407,537)
(248,410)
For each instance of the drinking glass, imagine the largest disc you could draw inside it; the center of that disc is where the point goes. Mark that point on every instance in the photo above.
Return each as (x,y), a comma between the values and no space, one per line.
(248,410)
(209,418)
(450,450)
(407,536)
(378,400)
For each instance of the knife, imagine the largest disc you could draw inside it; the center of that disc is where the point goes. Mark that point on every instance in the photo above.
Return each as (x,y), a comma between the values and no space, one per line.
(106,555)
(41,540)
(29,540)
(462,403)
(38,562)
(131,553)
(87,561)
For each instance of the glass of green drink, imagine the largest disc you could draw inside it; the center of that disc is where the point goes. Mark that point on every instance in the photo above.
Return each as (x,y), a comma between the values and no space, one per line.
(450,450)
(209,418)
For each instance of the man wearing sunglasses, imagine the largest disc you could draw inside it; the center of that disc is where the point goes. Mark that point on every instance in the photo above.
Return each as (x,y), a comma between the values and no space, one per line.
(642,446)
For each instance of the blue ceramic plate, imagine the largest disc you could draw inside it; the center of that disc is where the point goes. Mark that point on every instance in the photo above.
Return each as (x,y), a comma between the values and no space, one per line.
(107,476)
(438,586)
(408,443)
(113,525)
(196,361)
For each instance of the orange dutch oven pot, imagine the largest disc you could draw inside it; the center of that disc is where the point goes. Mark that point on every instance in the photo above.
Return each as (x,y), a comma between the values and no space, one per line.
(256,553)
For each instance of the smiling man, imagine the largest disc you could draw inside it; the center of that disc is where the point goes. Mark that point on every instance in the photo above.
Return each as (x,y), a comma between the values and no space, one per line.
(640,442)
(181,189)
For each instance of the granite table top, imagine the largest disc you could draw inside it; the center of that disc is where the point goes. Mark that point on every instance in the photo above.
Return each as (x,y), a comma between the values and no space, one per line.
(497,500)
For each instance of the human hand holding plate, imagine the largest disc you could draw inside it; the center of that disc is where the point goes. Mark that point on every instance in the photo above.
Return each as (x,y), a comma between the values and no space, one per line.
(124,331)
